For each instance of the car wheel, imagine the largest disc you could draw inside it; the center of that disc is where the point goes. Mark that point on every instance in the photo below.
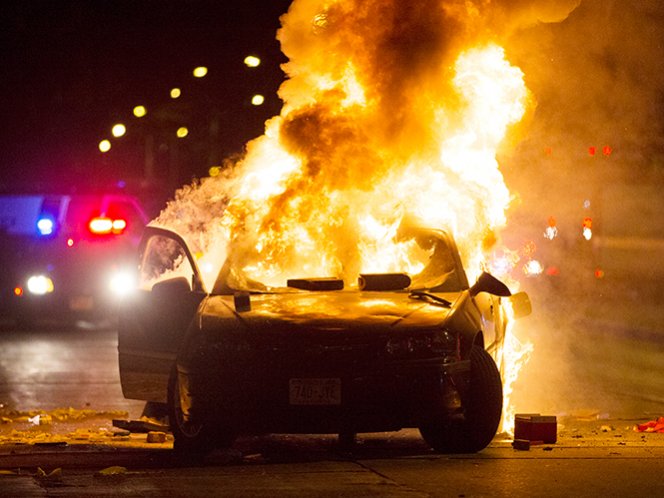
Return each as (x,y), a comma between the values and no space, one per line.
(192,437)
(482,408)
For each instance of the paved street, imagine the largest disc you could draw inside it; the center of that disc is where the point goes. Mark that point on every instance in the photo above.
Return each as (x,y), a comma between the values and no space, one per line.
(585,462)
(70,379)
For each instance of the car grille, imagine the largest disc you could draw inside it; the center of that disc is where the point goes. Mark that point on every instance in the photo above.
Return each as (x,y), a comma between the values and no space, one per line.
(304,349)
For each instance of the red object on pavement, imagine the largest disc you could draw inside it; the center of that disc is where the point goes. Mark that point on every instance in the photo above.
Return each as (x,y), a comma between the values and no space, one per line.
(652,426)
(535,427)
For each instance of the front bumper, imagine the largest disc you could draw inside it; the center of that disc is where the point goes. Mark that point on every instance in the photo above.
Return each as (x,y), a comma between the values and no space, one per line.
(257,396)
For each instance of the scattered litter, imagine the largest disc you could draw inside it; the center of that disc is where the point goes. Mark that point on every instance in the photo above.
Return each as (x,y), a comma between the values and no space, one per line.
(521,444)
(606,428)
(53,476)
(156,437)
(41,419)
(51,443)
(111,473)
(114,470)
(254,458)
(652,426)
(144,424)
(535,427)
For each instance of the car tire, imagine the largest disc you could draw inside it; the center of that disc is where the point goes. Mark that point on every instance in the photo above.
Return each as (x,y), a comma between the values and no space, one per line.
(193,438)
(482,408)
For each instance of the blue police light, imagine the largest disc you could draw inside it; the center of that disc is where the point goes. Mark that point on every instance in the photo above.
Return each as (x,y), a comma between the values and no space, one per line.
(45,225)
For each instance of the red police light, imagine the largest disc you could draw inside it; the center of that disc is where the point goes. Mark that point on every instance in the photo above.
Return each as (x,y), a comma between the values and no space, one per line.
(103,225)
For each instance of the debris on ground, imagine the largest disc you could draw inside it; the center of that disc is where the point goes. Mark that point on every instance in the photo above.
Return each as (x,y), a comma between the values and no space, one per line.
(144,424)
(521,444)
(67,426)
(111,471)
(535,427)
(41,417)
(156,437)
(652,426)
(53,476)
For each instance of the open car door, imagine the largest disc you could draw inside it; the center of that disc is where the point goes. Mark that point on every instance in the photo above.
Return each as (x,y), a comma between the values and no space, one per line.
(153,322)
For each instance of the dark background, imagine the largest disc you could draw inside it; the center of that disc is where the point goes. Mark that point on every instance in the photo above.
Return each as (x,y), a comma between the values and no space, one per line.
(73,68)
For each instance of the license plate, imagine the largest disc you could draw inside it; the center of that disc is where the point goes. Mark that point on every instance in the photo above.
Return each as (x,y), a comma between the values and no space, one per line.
(81,303)
(315,391)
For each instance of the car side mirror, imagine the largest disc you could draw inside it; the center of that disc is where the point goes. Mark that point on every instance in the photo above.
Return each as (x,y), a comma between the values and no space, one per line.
(489,283)
(521,305)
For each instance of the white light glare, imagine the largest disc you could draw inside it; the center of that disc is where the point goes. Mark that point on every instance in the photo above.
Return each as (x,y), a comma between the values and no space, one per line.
(533,268)
(45,226)
(40,285)
(122,283)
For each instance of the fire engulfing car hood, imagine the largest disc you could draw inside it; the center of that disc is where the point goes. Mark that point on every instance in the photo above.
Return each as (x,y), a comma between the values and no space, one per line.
(334,311)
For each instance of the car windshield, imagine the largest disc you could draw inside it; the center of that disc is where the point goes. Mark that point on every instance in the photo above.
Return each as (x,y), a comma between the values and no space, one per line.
(438,269)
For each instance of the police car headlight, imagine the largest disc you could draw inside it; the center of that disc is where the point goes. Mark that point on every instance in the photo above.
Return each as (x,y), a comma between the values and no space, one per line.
(122,283)
(40,285)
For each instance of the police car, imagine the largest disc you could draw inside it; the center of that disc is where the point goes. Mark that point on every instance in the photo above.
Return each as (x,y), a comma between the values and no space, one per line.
(66,258)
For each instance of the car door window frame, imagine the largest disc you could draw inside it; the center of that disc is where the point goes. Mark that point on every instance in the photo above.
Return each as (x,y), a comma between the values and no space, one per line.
(149,234)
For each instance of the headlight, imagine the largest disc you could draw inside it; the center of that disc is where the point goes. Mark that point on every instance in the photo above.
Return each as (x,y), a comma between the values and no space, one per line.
(422,344)
(40,285)
(122,283)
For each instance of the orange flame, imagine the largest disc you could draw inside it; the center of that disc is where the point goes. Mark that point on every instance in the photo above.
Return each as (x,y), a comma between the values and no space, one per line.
(298,206)
(385,122)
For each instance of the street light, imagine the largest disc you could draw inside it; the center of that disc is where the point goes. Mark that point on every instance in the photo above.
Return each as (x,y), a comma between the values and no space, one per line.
(118,130)
(140,111)
(200,71)
(252,61)
(105,146)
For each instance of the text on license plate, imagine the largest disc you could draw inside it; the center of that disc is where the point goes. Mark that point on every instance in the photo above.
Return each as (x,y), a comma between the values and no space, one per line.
(315,391)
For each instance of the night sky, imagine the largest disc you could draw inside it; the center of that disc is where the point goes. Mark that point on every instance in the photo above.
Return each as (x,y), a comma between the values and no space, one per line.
(72,68)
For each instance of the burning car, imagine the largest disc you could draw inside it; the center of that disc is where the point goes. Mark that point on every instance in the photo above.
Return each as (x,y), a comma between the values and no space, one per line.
(317,354)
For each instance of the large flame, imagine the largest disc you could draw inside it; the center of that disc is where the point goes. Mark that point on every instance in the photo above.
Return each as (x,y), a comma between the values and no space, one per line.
(387,119)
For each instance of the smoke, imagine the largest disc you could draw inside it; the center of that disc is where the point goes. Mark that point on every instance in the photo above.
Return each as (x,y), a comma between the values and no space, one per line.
(598,80)
(369,98)
(368,94)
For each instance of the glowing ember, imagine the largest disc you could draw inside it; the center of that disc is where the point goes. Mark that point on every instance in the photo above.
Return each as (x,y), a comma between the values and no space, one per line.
(387,121)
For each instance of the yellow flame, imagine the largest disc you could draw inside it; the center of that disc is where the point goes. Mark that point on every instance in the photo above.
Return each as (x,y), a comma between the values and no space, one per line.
(353,157)
(513,355)
(285,219)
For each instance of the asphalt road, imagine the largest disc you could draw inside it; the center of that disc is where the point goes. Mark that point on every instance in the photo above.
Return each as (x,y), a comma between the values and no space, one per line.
(584,462)
(71,376)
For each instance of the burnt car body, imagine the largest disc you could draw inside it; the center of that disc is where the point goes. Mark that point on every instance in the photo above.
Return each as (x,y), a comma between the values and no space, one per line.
(394,351)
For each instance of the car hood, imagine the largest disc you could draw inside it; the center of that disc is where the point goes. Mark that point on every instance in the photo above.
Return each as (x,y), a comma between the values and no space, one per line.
(340,310)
